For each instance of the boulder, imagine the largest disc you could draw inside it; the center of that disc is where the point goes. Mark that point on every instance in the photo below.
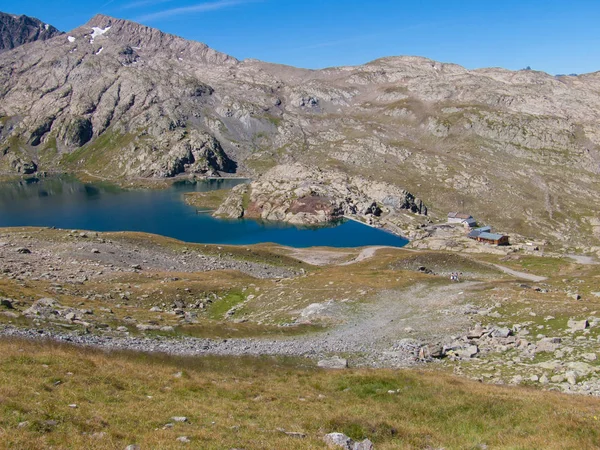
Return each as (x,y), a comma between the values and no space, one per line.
(547,345)
(43,307)
(181,419)
(364,445)
(431,351)
(6,303)
(468,352)
(476,332)
(503,332)
(589,356)
(339,440)
(577,325)
(333,363)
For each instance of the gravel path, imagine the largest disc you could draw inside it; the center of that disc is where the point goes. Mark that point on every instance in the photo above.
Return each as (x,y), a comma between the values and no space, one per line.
(523,275)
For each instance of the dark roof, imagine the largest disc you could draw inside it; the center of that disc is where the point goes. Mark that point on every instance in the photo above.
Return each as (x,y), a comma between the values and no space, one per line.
(491,236)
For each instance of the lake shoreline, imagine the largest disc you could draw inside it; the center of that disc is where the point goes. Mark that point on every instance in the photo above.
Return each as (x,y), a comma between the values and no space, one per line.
(67,203)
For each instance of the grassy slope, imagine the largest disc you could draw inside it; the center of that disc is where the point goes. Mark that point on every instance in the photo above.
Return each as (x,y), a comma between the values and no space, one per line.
(242,402)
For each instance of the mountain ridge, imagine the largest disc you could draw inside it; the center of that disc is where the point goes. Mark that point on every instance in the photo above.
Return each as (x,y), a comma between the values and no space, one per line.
(130,101)
(17,30)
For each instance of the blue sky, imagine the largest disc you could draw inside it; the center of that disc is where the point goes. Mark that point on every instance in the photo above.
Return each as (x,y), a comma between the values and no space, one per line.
(549,35)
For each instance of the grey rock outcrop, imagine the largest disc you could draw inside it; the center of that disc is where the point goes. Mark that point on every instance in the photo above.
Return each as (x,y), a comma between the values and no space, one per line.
(305,194)
(18,30)
(340,440)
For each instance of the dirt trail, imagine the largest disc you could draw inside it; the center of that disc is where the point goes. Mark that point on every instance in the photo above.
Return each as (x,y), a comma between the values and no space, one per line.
(523,275)
(318,257)
(326,257)
(365,253)
(583,259)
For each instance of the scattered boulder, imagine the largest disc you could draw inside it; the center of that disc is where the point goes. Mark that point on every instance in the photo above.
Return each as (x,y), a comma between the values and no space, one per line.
(333,363)
(547,345)
(43,307)
(503,332)
(577,325)
(364,445)
(340,440)
(476,332)
(184,439)
(181,419)
(23,250)
(6,303)
(468,352)
(589,356)
(431,351)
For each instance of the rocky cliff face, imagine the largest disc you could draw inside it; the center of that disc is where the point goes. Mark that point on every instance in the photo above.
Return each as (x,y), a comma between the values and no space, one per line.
(518,150)
(303,194)
(19,30)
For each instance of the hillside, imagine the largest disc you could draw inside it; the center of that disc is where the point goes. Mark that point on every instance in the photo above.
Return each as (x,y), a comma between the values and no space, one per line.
(19,30)
(518,150)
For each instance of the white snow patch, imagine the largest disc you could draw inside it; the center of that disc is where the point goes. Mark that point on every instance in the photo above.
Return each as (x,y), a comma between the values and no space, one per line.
(71,39)
(99,51)
(180,59)
(46,26)
(96,31)
(136,48)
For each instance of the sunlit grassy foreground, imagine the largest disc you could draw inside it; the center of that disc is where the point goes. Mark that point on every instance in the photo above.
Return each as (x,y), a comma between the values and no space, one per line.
(123,399)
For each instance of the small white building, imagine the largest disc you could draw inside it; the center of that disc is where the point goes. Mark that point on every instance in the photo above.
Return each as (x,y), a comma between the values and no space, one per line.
(464,219)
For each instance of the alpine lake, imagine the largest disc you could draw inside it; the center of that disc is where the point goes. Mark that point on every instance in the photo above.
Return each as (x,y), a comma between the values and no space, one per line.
(65,202)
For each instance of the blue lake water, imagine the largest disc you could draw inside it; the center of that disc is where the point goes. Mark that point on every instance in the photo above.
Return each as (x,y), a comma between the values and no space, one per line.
(65,202)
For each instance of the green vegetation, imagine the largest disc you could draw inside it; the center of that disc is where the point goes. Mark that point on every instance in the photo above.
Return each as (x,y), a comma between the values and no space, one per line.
(100,155)
(206,200)
(219,308)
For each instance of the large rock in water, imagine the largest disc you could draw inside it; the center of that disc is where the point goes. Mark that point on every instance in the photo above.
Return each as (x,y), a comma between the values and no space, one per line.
(303,194)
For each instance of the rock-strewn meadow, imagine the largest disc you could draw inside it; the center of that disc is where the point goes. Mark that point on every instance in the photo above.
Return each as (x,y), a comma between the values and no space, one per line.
(253,342)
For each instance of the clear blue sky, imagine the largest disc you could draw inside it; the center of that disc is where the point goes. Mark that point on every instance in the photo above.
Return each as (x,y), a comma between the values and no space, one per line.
(549,35)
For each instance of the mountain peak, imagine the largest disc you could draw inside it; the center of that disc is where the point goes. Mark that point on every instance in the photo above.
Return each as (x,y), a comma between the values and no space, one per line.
(18,30)
(150,39)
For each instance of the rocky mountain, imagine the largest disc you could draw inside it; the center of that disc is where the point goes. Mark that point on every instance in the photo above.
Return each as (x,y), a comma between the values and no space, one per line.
(19,30)
(518,150)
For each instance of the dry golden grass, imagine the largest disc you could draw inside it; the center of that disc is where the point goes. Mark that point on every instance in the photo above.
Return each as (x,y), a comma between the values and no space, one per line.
(242,402)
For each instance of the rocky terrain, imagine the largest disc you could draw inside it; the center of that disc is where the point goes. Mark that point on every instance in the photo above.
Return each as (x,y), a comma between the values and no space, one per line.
(19,30)
(503,323)
(518,150)
(301,194)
